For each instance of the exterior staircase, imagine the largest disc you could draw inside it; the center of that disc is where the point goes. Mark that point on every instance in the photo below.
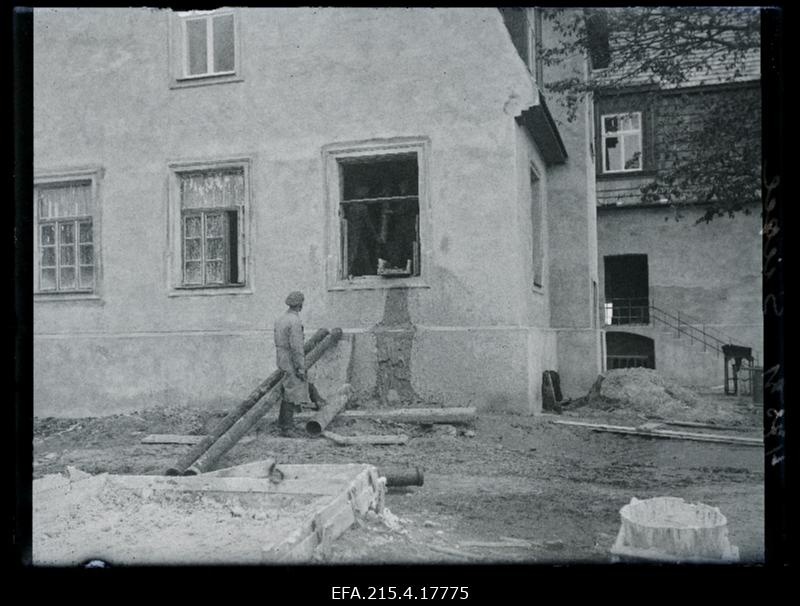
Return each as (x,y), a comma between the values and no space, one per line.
(686,348)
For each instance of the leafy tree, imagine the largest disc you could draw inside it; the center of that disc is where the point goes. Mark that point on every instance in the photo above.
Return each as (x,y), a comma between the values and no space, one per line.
(714,157)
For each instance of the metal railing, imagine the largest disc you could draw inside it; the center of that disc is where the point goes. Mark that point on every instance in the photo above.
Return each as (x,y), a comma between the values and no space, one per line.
(644,312)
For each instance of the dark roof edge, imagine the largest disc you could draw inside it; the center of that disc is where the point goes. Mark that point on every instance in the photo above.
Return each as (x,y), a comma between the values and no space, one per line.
(539,122)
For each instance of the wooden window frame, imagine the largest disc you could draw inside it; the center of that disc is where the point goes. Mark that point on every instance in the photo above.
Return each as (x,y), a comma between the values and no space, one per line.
(179,49)
(620,135)
(92,175)
(176,230)
(333,156)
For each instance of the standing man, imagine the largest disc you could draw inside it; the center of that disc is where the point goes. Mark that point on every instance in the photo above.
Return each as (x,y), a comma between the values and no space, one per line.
(290,357)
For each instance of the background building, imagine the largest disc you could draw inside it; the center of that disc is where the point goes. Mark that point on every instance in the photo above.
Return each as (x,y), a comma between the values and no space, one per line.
(674,291)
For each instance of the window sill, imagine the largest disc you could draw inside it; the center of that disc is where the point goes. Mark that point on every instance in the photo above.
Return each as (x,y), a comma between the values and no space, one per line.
(209,292)
(205,80)
(63,296)
(373,283)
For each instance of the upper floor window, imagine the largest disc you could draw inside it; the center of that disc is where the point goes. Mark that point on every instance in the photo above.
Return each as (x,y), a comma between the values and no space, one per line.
(65,239)
(621,140)
(210,235)
(205,47)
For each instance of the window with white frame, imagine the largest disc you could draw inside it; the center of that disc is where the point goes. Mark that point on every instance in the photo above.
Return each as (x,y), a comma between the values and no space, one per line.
(208,45)
(211,203)
(621,138)
(65,235)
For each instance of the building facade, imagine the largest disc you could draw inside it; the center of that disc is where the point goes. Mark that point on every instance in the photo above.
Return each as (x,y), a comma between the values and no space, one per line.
(399,166)
(675,291)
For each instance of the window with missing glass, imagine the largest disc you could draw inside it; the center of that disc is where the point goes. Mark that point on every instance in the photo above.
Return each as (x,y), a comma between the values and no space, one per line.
(379,216)
(621,140)
(65,236)
(211,235)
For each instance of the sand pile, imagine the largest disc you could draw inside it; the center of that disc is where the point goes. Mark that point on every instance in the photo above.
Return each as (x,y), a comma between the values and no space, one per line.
(640,390)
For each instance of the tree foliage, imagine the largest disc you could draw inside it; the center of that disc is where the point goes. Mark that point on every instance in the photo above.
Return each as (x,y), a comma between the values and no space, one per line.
(713,155)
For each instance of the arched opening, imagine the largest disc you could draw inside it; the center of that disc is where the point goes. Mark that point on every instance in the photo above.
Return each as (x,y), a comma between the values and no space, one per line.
(628,350)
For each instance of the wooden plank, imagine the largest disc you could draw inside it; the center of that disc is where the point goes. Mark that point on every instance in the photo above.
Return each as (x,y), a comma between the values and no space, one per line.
(664,433)
(368,439)
(171,438)
(450,415)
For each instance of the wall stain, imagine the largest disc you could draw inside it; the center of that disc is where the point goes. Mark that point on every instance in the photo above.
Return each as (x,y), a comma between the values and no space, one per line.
(394,339)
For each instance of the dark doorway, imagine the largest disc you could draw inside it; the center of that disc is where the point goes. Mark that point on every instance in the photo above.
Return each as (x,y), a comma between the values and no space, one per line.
(626,289)
(628,350)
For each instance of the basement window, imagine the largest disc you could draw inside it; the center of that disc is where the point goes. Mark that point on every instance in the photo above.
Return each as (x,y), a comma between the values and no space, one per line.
(379,216)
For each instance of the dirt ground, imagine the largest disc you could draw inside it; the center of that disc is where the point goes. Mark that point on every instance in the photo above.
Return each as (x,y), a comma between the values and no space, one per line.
(554,490)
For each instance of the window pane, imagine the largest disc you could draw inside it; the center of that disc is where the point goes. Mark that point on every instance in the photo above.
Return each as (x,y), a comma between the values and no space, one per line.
(223,44)
(85,234)
(67,235)
(193,272)
(67,255)
(215,248)
(214,273)
(48,281)
(196,46)
(48,234)
(611,124)
(67,277)
(629,122)
(194,250)
(212,189)
(633,152)
(67,200)
(87,277)
(48,257)
(613,155)
(87,254)
(214,226)
(193,229)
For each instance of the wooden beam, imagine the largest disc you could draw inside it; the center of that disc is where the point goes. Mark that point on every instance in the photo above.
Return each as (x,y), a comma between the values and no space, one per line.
(170,438)
(664,433)
(449,415)
(366,439)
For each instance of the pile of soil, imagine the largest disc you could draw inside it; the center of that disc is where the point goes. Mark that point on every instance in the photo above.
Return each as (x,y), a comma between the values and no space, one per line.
(646,394)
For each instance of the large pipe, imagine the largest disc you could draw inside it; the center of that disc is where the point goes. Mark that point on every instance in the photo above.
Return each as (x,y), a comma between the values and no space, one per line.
(234,415)
(322,418)
(398,476)
(227,440)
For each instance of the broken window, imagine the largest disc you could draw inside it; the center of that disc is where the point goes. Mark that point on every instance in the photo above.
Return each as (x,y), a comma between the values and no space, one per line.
(66,243)
(622,142)
(379,216)
(208,44)
(212,206)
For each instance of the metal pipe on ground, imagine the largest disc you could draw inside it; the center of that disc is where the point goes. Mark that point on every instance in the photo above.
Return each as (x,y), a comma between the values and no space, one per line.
(234,415)
(323,417)
(400,476)
(227,440)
